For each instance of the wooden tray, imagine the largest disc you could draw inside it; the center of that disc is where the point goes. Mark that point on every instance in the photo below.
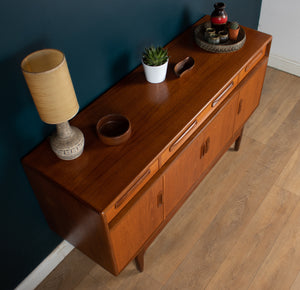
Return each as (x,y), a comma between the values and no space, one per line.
(227,46)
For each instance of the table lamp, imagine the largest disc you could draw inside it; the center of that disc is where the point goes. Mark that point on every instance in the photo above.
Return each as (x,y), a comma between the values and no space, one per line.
(48,79)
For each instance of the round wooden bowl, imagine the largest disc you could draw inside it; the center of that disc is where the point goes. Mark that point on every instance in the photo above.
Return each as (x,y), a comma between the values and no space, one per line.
(113,129)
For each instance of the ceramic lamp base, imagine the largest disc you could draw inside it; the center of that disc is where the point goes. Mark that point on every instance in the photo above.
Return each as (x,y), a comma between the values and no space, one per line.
(67,142)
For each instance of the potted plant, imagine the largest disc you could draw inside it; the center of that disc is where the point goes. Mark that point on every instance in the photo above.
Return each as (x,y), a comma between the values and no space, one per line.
(155,62)
(234,29)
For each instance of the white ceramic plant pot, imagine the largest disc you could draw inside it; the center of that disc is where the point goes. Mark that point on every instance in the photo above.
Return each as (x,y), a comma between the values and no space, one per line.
(155,74)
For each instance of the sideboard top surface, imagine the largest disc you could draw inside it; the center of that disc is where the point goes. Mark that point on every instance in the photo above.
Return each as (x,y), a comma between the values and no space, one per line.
(157,112)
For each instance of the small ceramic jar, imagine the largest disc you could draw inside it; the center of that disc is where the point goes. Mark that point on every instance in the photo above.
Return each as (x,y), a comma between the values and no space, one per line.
(214,39)
(208,32)
(223,36)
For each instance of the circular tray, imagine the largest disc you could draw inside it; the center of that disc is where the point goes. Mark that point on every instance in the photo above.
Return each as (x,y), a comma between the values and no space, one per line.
(227,46)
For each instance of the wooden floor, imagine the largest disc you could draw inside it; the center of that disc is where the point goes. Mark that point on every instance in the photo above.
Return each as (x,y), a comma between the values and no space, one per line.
(240,229)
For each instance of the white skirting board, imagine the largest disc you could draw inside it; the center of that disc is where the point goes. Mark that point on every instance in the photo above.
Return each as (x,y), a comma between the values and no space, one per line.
(46,267)
(284,64)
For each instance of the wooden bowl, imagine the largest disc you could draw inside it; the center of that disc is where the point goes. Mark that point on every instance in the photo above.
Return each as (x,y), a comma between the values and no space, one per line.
(183,66)
(113,129)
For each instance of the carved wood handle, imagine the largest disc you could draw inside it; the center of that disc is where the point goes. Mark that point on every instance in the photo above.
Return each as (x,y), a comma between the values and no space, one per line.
(202,151)
(205,147)
(160,199)
(207,144)
(222,94)
(125,196)
(240,107)
(182,136)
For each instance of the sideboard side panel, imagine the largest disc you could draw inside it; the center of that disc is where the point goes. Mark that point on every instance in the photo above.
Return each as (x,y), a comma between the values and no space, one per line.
(72,220)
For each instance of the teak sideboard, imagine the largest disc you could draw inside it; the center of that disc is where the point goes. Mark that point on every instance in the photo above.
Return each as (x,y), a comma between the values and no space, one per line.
(113,201)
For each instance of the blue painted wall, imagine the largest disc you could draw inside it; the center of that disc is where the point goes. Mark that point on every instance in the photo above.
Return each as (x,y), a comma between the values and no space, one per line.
(102,41)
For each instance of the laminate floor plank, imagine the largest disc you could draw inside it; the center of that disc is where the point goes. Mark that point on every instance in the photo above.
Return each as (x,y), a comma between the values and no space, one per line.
(90,283)
(283,143)
(281,268)
(130,278)
(203,261)
(256,241)
(290,176)
(296,284)
(69,273)
(273,108)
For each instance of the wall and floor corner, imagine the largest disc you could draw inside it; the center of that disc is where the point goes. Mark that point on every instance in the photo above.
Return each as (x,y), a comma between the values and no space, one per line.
(102,42)
(281,20)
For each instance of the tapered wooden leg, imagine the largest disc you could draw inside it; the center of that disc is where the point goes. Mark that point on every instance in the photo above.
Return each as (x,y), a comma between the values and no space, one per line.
(238,141)
(139,260)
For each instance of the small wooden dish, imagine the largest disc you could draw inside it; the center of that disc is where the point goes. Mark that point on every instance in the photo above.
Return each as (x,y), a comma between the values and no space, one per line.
(183,66)
(113,129)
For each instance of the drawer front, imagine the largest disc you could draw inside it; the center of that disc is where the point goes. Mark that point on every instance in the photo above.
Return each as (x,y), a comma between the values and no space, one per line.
(136,223)
(175,145)
(252,63)
(119,203)
(197,121)
(224,93)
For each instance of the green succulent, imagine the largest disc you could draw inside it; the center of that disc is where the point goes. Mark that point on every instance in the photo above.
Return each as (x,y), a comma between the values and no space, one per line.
(155,56)
(234,25)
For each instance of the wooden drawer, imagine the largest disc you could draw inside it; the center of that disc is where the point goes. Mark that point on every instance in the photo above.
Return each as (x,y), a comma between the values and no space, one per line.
(224,93)
(119,203)
(252,63)
(197,121)
(175,145)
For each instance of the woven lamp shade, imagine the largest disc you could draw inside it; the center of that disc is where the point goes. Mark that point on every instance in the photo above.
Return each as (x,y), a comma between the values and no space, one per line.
(47,76)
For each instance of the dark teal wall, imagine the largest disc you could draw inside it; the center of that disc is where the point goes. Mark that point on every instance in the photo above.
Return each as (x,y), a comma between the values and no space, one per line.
(102,41)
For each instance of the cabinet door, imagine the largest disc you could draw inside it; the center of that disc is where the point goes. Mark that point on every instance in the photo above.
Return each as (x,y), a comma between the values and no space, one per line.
(135,224)
(249,94)
(218,132)
(187,169)
(182,174)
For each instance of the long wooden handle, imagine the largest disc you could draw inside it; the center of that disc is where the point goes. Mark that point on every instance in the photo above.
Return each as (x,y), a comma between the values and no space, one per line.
(251,64)
(139,181)
(222,94)
(182,136)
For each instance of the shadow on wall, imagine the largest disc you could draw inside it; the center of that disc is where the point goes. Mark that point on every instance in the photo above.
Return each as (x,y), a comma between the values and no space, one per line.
(20,123)
(21,130)
(120,67)
(185,19)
